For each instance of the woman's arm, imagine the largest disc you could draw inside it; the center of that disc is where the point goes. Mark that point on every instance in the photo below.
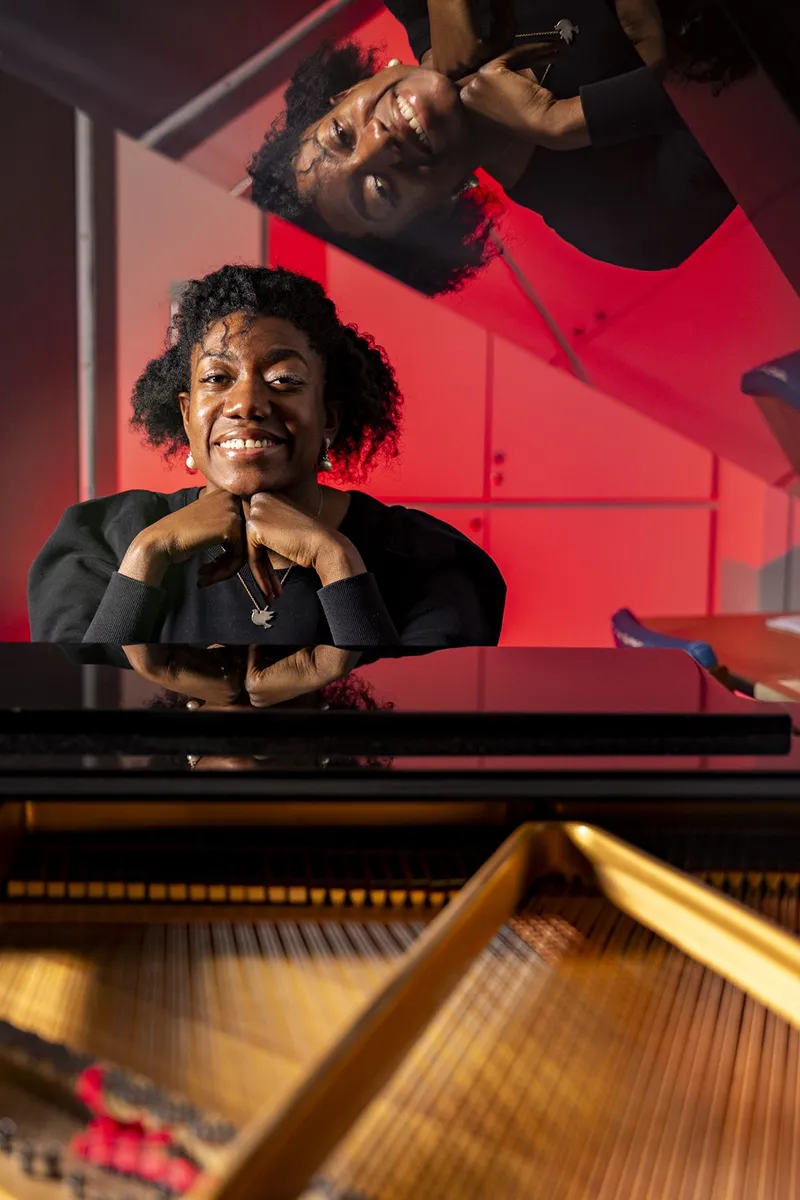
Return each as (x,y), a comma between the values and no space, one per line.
(460,603)
(354,608)
(75,593)
(619,109)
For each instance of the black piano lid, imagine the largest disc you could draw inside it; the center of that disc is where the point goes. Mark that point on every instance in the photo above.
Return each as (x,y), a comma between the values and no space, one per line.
(457,704)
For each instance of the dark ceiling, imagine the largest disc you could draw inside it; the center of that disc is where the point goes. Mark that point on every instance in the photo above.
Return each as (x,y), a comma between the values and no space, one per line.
(131,63)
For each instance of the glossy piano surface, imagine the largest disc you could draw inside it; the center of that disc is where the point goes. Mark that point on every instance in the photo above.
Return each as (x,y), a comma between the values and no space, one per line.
(459,708)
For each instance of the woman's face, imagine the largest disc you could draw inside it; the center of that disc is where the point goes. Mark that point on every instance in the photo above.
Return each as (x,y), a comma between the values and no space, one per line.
(389,150)
(256,381)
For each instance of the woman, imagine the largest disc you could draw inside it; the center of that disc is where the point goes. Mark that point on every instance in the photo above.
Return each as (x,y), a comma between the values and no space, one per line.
(265,388)
(381,162)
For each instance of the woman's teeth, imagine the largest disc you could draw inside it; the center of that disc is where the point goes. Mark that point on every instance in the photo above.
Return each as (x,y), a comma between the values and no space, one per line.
(408,114)
(249,444)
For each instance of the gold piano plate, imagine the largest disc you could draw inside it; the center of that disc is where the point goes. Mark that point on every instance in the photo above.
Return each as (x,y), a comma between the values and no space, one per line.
(627,1032)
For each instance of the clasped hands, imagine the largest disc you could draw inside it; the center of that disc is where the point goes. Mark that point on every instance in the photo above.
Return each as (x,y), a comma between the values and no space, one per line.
(496,77)
(224,676)
(259,525)
(248,530)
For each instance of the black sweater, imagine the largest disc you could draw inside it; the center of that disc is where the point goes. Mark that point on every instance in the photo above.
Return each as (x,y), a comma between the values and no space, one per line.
(643,195)
(427,585)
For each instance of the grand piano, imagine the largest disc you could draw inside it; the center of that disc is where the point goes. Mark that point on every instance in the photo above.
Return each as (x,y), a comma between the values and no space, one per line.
(487,923)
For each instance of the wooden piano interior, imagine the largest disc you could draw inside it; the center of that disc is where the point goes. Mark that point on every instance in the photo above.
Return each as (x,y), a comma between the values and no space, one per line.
(398,1002)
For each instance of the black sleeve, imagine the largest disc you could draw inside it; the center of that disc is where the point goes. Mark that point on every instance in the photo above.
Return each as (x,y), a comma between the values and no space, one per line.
(356,613)
(76,595)
(454,607)
(628,106)
(413,16)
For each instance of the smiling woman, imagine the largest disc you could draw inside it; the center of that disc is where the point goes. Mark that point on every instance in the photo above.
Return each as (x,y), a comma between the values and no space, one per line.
(379,160)
(266,389)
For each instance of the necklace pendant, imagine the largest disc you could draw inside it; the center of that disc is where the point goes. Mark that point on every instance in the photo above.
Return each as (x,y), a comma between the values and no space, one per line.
(262,617)
(566,30)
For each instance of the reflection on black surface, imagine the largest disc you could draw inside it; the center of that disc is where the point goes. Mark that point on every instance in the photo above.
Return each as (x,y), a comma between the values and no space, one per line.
(238,678)
(308,708)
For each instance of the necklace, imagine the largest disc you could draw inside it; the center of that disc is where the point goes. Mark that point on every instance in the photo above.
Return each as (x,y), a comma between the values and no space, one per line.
(564,29)
(263,617)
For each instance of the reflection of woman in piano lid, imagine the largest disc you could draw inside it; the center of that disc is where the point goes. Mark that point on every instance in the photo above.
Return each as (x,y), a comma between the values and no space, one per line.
(380,161)
(265,388)
(243,678)
(351,693)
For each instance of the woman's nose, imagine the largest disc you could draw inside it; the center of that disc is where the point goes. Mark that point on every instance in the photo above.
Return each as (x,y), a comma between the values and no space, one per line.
(377,147)
(248,394)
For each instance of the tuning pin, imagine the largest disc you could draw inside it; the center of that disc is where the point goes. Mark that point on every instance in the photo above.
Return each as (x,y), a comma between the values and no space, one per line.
(51,1156)
(8,1132)
(77,1185)
(27,1156)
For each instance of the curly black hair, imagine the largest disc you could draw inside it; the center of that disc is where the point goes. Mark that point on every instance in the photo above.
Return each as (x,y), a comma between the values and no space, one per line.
(702,44)
(359,380)
(435,254)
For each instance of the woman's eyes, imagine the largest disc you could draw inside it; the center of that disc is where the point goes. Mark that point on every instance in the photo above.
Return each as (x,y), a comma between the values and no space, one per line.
(286,381)
(216,378)
(379,186)
(381,190)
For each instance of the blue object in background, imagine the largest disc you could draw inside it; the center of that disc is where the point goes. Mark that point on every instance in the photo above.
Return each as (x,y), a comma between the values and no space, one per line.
(632,635)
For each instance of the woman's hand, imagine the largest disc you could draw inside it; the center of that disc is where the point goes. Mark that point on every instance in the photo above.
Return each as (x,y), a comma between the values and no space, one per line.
(222,676)
(248,531)
(216,676)
(214,519)
(513,99)
(456,47)
(304,672)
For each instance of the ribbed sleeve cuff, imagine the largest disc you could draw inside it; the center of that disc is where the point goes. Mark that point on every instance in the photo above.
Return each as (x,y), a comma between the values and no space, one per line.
(629,106)
(128,612)
(356,614)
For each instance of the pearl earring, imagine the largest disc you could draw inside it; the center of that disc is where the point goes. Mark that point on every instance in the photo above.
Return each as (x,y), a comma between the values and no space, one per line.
(190,462)
(325,463)
(395,62)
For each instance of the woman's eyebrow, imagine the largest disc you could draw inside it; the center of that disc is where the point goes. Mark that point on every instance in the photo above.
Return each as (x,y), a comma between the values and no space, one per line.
(281,353)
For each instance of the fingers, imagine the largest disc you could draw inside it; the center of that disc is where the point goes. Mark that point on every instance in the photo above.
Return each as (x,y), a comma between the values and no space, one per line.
(204,675)
(525,55)
(538,53)
(263,571)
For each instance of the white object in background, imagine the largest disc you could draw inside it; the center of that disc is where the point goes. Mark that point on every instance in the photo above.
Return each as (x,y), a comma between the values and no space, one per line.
(785,624)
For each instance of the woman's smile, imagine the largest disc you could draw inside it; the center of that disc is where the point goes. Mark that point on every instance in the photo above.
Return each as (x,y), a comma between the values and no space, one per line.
(249,450)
